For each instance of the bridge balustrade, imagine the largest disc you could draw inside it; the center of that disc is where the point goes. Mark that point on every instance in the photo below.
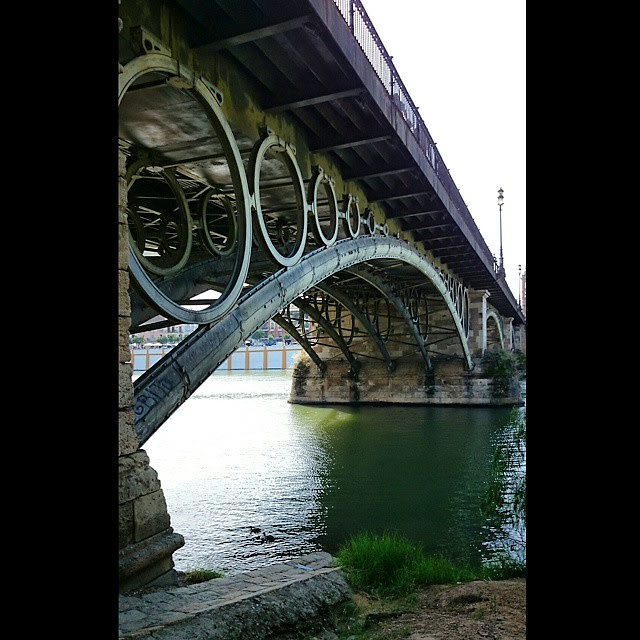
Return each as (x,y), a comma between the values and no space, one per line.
(367,37)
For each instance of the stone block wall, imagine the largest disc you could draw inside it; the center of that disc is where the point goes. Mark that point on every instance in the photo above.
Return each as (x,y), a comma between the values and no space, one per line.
(449,382)
(146,539)
(410,383)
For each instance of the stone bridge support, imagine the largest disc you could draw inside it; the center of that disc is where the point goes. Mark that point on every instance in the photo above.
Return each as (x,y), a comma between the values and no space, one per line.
(146,539)
(478,307)
(520,339)
(409,380)
(507,330)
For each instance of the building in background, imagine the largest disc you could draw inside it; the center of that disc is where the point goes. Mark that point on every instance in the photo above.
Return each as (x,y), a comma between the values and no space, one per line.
(174,333)
(270,332)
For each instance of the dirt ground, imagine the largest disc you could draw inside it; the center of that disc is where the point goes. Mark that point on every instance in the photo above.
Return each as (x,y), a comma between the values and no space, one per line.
(478,610)
(471,611)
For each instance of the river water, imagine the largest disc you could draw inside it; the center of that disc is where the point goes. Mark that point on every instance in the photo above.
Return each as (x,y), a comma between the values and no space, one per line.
(250,479)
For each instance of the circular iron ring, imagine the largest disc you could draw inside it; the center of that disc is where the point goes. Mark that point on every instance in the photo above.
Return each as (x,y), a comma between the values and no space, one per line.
(160,239)
(318,233)
(208,227)
(205,96)
(273,143)
(351,213)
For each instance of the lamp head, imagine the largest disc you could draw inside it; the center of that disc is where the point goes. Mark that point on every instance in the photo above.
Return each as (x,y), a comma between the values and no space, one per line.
(500,196)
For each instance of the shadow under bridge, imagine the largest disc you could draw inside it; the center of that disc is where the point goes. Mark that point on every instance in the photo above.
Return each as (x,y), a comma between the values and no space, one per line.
(372,288)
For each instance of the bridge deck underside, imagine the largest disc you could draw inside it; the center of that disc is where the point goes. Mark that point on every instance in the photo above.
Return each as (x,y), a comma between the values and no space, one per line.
(301,60)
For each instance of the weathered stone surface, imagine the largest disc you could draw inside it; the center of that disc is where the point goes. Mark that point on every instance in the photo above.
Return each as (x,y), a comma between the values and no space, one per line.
(410,383)
(122,211)
(122,193)
(123,230)
(135,477)
(124,349)
(124,302)
(125,385)
(123,249)
(144,562)
(263,604)
(122,163)
(295,606)
(128,442)
(143,516)
(125,524)
(150,515)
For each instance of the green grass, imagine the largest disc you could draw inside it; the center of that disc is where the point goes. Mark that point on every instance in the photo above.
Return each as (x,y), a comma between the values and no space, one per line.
(390,566)
(196,576)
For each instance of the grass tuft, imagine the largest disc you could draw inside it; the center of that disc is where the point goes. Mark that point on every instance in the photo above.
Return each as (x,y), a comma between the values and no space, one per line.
(195,576)
(390,566)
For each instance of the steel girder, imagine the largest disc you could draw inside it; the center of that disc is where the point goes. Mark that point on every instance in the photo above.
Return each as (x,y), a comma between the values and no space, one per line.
(169,383)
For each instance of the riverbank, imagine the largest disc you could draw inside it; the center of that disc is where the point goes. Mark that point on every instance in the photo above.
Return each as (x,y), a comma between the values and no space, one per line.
(310,600)
(475,610)
(257,605)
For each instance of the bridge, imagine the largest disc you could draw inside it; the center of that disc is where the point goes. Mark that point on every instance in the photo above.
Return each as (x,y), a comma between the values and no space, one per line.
(273,165)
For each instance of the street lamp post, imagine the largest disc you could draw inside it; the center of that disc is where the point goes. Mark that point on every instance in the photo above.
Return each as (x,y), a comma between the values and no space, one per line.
(519,283)
(500,201)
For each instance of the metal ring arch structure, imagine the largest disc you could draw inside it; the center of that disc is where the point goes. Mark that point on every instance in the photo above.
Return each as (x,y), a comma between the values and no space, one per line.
(369,221)
(321,179)
(207,98)
(351,210)
(163,266)
(492,315)
(204,224)
(249,201)
(273,142)
(460,296)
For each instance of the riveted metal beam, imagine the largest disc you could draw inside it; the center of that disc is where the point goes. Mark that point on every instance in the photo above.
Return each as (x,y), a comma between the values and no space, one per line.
(346,301)
(166,385)
(307,102)
(252,36)
(389,292)
(302,340)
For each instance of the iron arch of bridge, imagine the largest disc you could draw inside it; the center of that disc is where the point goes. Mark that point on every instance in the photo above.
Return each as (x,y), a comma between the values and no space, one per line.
(161,390)
(173,274)
(404,309)
(360,315)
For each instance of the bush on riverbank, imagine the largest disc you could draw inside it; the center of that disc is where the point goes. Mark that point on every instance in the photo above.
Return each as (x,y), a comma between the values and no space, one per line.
(390,566)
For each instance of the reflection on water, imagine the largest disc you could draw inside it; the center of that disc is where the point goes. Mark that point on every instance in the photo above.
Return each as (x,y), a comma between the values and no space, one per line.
(250,479)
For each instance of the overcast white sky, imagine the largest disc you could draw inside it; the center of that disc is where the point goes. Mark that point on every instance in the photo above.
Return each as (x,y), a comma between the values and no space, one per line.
(463,64)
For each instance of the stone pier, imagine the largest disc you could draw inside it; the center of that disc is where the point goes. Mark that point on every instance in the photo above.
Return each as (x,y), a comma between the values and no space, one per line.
(410,383)
(146,539)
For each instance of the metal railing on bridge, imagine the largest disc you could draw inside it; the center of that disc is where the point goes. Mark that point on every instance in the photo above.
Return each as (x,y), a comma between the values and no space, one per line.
(365,34)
